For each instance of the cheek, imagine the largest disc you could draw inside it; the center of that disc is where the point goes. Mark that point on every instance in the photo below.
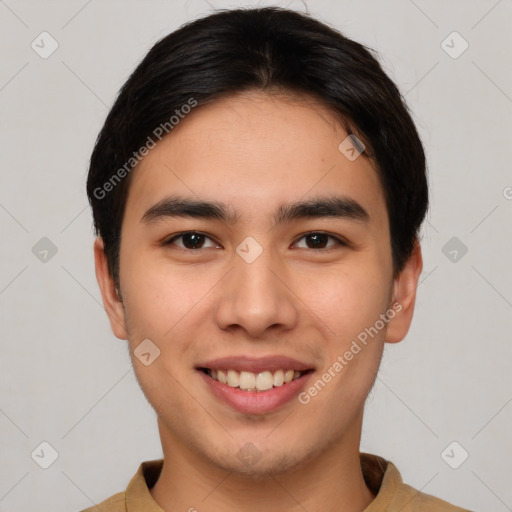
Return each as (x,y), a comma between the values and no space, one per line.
(156,297)
(158,307)
(348,301)
(167,305)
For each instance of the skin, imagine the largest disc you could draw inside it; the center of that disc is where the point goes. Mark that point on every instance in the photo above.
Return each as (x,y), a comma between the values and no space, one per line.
(255,152)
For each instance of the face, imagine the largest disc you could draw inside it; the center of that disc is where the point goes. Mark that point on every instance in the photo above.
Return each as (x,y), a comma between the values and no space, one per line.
(253,251)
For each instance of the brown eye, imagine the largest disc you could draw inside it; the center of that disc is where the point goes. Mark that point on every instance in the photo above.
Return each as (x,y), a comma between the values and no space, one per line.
(191,240)
(318,241)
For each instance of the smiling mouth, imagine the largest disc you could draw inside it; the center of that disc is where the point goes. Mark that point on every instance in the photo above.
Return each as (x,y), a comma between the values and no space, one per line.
(254,382)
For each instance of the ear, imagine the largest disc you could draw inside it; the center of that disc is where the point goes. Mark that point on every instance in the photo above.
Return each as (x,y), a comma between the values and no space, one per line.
(404,296)
(111,301)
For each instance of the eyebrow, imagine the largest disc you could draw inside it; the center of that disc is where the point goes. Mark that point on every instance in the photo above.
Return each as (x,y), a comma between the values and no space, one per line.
(315,208)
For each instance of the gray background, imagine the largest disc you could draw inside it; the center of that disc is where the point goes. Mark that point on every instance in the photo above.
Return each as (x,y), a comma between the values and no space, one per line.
(67,381)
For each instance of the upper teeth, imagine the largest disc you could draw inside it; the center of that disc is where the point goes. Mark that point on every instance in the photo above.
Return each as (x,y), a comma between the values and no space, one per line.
(252,381)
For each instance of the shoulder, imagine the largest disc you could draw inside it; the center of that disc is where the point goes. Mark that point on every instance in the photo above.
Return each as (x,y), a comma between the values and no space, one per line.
(137,495)
(116,503)
(416,501)
(391,493)
(407,499)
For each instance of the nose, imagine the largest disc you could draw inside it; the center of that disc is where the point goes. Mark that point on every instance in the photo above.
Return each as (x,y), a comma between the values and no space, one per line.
(257,297)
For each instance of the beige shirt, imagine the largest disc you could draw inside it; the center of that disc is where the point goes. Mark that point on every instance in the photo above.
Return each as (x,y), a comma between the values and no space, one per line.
(380,475)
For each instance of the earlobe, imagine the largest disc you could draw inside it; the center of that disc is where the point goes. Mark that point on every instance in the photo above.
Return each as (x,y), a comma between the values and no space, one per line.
(404,296)
(111,300)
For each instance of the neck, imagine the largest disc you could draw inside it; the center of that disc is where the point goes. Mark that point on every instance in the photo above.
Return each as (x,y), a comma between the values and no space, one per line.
(331,480)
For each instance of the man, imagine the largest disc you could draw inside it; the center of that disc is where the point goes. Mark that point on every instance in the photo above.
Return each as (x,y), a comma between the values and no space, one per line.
(257,189)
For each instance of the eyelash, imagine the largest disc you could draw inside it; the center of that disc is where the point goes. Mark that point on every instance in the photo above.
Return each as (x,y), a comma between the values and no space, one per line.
(339,241)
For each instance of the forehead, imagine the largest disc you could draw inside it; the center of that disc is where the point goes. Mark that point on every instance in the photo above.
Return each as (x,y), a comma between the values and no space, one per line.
(254,149)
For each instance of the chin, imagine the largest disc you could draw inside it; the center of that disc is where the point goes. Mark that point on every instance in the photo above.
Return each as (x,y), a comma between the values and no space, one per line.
(250,462)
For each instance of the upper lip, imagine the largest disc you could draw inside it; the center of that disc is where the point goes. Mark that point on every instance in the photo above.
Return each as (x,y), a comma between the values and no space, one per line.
(255,365)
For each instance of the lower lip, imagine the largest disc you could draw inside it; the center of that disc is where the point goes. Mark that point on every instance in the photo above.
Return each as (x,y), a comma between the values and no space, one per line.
(256,402)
